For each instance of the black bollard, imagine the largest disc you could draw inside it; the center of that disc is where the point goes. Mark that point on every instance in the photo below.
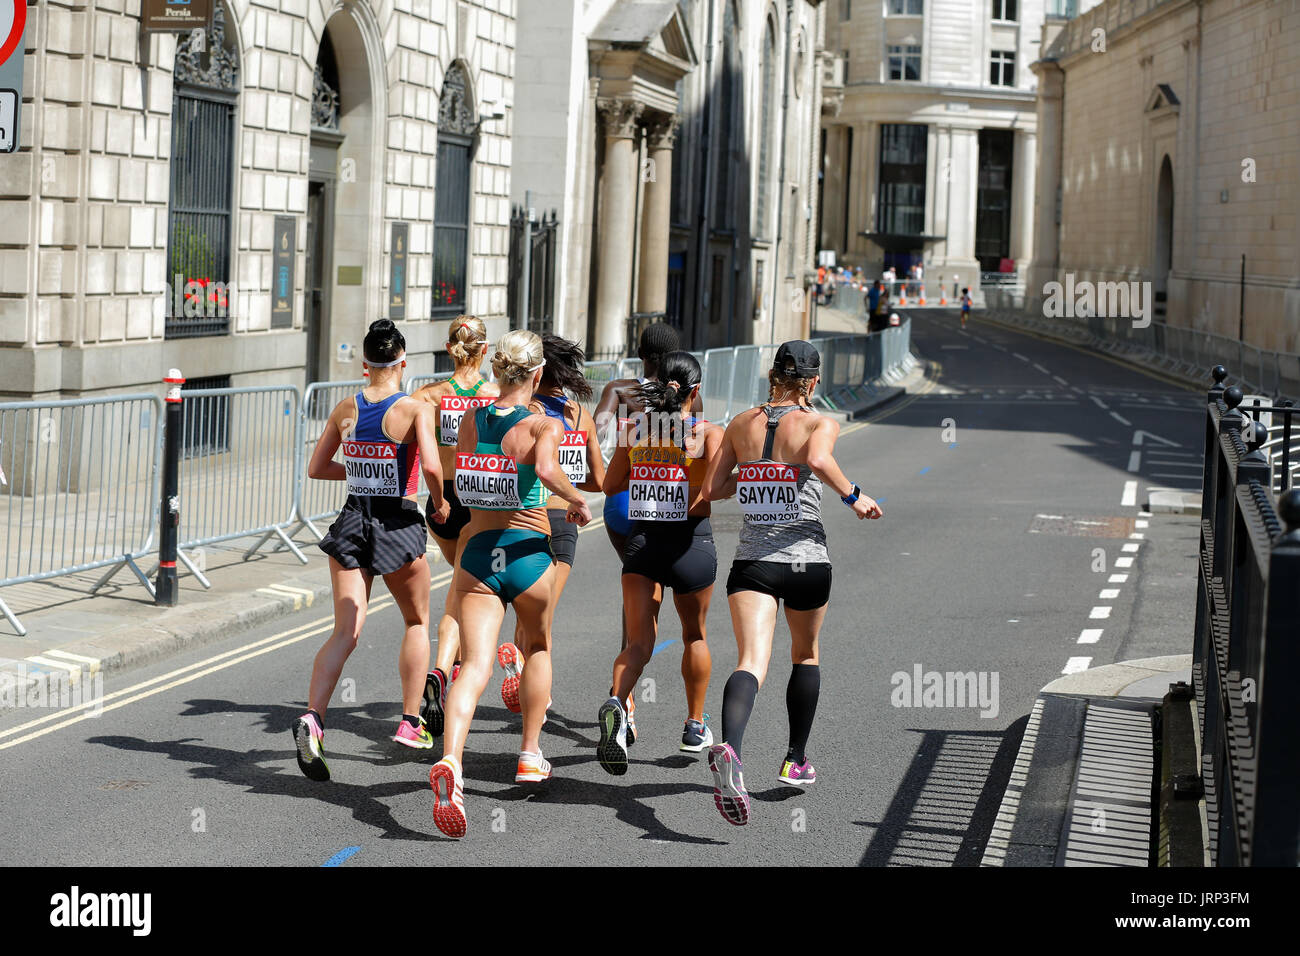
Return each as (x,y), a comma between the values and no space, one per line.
(166,588)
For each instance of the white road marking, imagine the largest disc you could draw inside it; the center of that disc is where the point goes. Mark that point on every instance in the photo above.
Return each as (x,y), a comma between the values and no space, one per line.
(1117,579)
(1144,514)
(1120,418)
(1041,369)
(1141,524)
(1108,594)
(1076,664)
(1137,534)
(1130,547)
(1140,434)
(1123,562)
(1019,356)
(92,662)
(1100,612)
(69,666)
(1100,404)
(1057,378)
(276,592)
(1134,460)
(1129,497)
(1089,635)
(1076,388)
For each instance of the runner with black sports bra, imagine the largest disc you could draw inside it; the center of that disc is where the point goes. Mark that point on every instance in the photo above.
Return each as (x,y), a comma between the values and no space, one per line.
(506,460)
(785,452)
(583,465)
(466,390)
(670,545)
(619,405)
(386,439)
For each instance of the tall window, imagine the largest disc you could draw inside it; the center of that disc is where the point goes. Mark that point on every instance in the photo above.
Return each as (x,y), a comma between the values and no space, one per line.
(765,129)
(1002,68)
(1004,10)
(456,128)
(723,206)
(904,62)
(847,12)
(901,206)
(993,198)
(205,91)
(911,8)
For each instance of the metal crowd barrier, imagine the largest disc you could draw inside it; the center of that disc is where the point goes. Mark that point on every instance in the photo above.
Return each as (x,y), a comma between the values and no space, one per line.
(317,500)
(1246,658)
(80,486)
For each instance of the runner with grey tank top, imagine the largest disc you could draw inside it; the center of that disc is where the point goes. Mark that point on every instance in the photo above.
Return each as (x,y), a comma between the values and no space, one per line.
(785,454)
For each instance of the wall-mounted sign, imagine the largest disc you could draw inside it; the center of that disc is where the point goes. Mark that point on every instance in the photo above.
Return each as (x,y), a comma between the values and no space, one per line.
(286,232)
(349,275)
(175,16)
(397,271)
(13,23)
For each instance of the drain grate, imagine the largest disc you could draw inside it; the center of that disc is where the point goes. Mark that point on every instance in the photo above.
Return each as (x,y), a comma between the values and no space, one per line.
(1082,526)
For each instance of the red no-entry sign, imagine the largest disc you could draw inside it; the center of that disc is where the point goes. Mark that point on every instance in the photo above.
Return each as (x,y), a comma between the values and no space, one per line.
(13,23)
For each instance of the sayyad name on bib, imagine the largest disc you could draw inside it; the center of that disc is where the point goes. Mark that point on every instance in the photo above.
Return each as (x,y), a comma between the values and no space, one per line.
(573,456)
(371,468)
(451,409)
(768,492)
(658,492)
(486,481)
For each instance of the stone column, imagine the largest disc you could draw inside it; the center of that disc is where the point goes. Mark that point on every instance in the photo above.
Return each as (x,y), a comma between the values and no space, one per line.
(656,214)
(1045,244)
(616,227)
(1024,159)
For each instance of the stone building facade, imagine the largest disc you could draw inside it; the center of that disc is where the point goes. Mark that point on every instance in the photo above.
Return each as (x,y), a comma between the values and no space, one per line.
(931,136)
(1168,151)
(677,141)
(227,206)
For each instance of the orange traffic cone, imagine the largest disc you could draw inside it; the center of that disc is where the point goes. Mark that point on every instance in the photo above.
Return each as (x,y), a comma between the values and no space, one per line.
(922,299)
(943,297)
(902,295)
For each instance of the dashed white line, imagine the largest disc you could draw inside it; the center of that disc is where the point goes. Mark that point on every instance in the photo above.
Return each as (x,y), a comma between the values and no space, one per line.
(1137,534)
(1057,378)
(1120,418)
(1019,356)
(1041,369)
(1089,635)
(1141,524)
(1117,579)
(1100,404)
(1108,594)
(1129,547)
(1123,562)
(1134,460)
(1076,664)
(1101,612)
(1130,494)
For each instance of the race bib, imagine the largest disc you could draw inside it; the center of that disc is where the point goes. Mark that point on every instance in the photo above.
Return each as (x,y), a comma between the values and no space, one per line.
(371,468)
(768,492)
(658,491)
(451,409)
(573,456)
(487,482)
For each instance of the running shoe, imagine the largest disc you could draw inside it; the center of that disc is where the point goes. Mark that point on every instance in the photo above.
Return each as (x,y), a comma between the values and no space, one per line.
(630,709)
(309,741)
(797,774)
(435,700)
(417,738)
(696,735)
(448,797)
(532,768)
(508,656)
(729,784)
(455,671)
(612,749)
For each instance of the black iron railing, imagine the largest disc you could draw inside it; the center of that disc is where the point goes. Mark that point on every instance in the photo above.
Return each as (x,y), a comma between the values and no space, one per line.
(1247,642)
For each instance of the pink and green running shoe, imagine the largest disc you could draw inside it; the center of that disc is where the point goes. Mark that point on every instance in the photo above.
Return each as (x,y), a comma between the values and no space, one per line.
(729,794)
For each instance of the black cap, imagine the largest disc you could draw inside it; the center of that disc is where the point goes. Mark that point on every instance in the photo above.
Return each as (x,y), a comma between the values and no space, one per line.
(797,358)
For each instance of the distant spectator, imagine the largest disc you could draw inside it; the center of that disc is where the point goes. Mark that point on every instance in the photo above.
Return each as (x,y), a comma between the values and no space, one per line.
(965,306)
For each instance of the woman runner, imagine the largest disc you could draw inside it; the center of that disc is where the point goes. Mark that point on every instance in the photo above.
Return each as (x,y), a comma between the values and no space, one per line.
(466,390)
(506,459)
(620,402)
(786,452)
(583,464)
(386,438)
(669,545)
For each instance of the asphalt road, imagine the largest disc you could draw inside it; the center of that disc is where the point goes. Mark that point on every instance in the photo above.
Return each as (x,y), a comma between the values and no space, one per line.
(999,484)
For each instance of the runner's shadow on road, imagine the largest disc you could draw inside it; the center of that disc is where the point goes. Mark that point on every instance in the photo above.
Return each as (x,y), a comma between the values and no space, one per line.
(246,769)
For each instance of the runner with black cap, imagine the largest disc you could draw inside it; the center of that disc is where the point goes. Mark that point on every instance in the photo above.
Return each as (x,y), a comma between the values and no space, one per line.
(785,453)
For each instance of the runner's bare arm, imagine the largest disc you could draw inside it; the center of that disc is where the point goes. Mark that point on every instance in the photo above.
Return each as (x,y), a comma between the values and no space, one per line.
(427,440)
(720,479)
(322,465)
(547,435)
(620,466)
(595,460)
(821,459)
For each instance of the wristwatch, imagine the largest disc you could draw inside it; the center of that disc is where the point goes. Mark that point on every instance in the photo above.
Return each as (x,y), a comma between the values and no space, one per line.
(852,499)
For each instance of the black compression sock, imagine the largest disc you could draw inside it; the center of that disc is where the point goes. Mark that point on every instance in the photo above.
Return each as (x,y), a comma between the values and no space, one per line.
(319,719)
(801,703)
(413,721)
(737,704)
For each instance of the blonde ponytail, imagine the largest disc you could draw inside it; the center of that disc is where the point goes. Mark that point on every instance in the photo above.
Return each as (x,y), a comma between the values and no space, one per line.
(519,354)
(467,340)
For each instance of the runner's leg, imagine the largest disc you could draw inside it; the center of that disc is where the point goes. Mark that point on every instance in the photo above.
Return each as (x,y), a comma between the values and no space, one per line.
(753,617)
(351,595)
(410,589)
(641,600)
(697,664)
(481,615)
(533,610)
(804,688)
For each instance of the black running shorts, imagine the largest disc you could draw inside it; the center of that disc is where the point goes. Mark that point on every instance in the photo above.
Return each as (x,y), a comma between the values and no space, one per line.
(456,520)
(677,554)
(564,537)
(379,535)
(803,587)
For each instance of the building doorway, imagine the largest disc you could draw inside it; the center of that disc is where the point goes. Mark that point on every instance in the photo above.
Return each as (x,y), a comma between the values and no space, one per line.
(1164,237)
(993,200)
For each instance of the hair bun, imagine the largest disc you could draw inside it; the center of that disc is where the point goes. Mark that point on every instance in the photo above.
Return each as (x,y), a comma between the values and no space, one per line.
(382,325)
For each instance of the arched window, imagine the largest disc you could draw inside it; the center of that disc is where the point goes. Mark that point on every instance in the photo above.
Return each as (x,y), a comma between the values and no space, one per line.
(724,212)
(456,128)
(765,171)
(199,232)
